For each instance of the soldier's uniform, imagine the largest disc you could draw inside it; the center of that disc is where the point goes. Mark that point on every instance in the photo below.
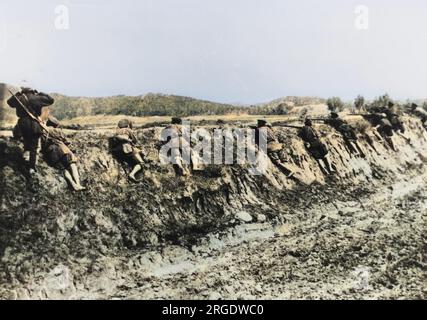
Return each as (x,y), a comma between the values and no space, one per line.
(126,144)
(394,118)
(179,145)
(125,147)
(274,148)
(28,128)
(342,126)
(347,131)
(312,141)
(385,128)
(56,151)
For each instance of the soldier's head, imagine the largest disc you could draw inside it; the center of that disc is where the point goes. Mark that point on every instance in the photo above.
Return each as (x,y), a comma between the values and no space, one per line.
(308,122)
(390,104)
(334,115)
(124,123)
(52,122)
(262,123)
(176,120)
(414,106)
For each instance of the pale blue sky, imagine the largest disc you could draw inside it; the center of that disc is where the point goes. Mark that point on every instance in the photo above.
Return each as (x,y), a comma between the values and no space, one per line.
(244,51)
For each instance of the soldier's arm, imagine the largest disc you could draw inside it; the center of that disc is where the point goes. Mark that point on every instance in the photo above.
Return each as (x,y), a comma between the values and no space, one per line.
(44,114)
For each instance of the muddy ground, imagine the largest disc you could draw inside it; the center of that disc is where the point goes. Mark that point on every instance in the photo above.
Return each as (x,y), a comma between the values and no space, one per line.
(221,233)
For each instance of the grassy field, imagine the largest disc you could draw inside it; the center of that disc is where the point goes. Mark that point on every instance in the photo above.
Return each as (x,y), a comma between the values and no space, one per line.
(108,121)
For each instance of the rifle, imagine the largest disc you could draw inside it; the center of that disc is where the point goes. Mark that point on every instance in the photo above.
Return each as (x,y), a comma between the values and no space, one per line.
(318,119)
(361,114)
(286,125)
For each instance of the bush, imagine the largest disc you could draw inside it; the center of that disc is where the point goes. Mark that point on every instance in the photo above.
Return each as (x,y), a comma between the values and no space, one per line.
(335,104)
(359,102)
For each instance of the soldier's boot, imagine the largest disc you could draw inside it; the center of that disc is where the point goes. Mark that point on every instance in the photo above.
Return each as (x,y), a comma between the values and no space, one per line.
(135,170)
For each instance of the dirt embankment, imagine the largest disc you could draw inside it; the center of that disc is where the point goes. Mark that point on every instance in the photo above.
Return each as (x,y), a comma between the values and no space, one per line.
(56,243)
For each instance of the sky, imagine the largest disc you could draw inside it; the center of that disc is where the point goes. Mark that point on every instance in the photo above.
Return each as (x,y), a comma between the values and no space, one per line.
(232,51)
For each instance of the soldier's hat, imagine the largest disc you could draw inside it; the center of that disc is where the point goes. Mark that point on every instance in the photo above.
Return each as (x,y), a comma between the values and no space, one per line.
(414,105)
(52,122)
(124,123)
(262,123)
(176,120)
(334,115)
(390,104)
(27,90)
(308,122)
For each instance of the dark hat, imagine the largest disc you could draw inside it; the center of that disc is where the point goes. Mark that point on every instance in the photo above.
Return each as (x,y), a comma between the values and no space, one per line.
(414,105)
(308,122)
(390,104)
(176,120)
(124,123)
(262,123)
(52,122)
(334,115)
(27,90)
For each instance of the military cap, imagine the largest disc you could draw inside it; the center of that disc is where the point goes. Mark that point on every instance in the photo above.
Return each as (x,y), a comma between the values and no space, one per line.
(124,123)
(176,120)
(262,122)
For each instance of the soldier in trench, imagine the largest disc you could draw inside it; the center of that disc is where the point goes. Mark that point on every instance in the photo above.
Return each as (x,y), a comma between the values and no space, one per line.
(125,147)
(315,146)
(347,131)
(55,149)
(274,148)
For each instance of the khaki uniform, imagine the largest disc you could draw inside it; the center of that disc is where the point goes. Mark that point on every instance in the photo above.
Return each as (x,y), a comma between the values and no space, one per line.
(125,148)
(56,151)
(312,142)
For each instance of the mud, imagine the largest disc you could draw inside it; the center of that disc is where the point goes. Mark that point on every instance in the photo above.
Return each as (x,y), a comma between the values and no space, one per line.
(221,233)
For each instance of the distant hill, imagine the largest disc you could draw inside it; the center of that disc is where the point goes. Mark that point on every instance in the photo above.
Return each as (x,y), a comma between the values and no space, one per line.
(148,105)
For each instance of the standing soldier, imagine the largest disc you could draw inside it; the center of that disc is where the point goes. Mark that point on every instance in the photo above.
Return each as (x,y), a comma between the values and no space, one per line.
(31,109)
(126,147)
(55,148)
(274,148)
(347,131)
(315,147)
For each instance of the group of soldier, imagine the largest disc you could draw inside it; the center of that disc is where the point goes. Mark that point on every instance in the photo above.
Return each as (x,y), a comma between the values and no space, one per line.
(36,127)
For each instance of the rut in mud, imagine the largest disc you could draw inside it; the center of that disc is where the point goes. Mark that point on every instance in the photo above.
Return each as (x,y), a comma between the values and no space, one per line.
(221,233)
